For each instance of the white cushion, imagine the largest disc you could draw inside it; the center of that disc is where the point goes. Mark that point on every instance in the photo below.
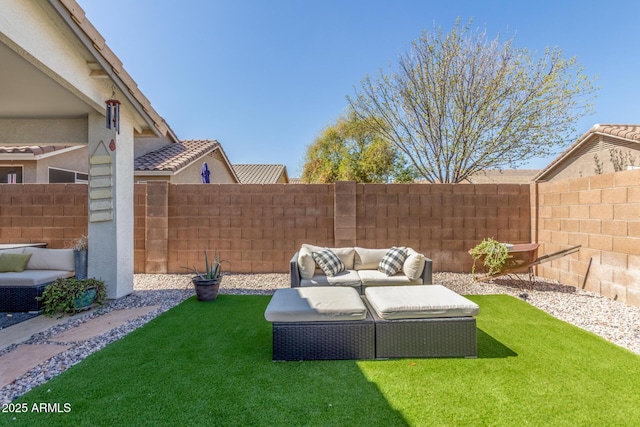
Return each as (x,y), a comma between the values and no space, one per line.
(377,278)
(306,264)
(346,278)
(414,264)
(419,302)
(315,304)
(12,251)
(368,259)
(50,259)
(32,277)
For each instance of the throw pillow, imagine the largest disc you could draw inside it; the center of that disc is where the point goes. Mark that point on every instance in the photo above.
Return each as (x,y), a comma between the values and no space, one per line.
(13,262)
(413,265)
(392,261)
(328,262)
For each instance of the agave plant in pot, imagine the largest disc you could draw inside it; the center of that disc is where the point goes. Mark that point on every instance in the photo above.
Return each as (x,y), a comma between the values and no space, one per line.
(207,283)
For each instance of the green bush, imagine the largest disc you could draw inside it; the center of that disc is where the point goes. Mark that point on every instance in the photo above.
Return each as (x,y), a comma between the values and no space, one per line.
(61,295)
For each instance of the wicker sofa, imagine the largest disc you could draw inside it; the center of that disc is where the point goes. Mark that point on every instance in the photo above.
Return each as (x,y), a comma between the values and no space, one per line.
(19,289)
(361,269)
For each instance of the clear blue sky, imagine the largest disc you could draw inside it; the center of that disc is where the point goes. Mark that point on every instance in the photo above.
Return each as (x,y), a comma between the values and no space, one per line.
(265,77)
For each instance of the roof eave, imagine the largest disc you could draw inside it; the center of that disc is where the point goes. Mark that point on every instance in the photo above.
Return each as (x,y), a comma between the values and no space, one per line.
(68,11)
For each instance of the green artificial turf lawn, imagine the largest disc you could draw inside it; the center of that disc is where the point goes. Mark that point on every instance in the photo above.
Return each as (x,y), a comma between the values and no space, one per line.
(210,364)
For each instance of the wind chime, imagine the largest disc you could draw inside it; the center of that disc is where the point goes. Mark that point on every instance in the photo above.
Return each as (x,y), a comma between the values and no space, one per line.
(113,113)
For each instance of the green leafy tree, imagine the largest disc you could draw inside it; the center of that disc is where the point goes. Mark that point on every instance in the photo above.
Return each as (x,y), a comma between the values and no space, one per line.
(350,150)
(459,103)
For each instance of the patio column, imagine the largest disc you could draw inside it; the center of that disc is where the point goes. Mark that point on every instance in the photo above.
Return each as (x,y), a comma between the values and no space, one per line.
(111,205)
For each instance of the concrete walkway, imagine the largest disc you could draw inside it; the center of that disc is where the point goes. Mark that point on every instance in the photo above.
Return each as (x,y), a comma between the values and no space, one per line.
(25,357)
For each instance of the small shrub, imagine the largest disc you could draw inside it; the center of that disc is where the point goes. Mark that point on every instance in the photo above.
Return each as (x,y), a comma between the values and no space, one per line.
(493,255)
(60,296)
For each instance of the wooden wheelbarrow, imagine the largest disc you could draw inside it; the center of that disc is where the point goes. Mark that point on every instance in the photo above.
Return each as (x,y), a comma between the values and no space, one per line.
(522,258)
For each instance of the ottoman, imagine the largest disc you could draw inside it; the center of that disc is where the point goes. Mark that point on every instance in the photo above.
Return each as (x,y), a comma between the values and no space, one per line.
(422,321)
(320,323)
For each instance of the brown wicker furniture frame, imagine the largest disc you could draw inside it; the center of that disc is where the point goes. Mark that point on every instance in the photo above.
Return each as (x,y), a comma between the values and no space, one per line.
(331,340)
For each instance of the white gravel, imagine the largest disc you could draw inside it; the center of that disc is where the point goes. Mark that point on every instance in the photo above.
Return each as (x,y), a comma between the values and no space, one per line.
(609,319)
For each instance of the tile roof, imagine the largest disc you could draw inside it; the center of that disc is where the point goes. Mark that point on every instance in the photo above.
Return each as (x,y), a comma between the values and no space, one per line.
(117,71)
(260,174)
(173,157)
(631,132)
(36,150)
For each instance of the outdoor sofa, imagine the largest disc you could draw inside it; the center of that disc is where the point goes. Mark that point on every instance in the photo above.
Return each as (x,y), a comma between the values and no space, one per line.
(361,268)
(27,271)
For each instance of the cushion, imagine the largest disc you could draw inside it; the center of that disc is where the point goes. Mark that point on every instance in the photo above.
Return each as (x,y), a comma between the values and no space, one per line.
(346,255)
(344,278)
(376,278)
(392,261)
(368,259)
(315,304)
(328,262)
(414,264)
(306,264)
(419,302)
(30,278)
(50,259)
(13,262)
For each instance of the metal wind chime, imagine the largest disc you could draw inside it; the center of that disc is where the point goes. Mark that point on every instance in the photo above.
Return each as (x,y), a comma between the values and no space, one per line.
(113,113)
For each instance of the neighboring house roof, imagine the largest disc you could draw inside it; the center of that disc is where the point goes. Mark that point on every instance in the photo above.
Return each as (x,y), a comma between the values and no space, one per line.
(33,152)
(296,181)
(261,174)
(109,65)
(506,176)
(173,157)
(630,133)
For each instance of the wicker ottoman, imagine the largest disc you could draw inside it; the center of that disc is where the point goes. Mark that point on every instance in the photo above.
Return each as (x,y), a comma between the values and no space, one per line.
(422,321)
(320,323)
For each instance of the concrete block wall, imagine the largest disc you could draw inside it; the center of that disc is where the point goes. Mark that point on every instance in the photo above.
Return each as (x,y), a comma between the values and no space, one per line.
(52,213)
(601,213)
(443,221)
(256,228)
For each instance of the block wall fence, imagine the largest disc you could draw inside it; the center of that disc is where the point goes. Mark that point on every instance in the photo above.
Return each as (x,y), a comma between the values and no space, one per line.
(257,228)
(601,213)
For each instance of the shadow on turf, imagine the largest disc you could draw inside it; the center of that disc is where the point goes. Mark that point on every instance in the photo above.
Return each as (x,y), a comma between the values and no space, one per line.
(490,348)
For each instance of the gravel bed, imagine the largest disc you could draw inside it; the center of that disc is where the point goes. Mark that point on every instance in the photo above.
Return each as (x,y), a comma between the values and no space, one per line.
(609,319)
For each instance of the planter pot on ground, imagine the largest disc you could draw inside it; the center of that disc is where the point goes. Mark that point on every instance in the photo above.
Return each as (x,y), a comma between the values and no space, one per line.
(85,300)
(206,290)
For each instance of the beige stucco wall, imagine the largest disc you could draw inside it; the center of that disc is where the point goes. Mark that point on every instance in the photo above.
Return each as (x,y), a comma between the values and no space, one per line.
(144,145)
(582,163)
(76,161)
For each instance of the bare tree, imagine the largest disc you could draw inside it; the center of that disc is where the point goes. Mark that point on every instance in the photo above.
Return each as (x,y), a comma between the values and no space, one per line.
(459,103)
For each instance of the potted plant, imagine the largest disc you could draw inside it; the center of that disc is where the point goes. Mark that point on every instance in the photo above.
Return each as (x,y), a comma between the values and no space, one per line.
(207,283)
(71,295)
(80,247)
(492,254)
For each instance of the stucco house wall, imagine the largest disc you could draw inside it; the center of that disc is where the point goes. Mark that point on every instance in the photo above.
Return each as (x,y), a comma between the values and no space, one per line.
(583,162)
(593,153)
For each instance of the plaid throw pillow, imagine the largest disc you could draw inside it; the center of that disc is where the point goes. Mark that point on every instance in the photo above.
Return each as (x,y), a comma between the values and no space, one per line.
(393,261)
(328,262)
